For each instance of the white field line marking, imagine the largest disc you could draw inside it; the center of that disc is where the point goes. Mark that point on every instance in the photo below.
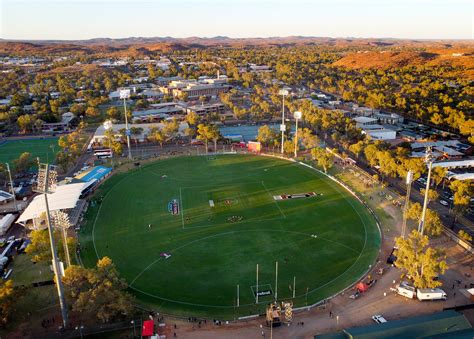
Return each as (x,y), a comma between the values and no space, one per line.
(274,201)
(225,233)
(98,212)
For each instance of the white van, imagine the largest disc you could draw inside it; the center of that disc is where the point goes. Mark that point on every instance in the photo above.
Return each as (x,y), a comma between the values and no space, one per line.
(406,290)
(431,294)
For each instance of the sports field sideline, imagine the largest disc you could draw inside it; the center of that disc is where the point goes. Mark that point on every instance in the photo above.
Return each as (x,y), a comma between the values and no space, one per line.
(184,232)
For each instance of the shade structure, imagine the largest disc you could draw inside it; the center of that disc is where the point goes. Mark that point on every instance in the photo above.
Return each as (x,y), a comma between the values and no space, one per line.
(148,327)
(65,197)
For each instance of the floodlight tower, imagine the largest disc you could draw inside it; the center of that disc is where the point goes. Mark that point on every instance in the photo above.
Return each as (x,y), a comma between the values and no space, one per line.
(283,92)
(297,115)
(46,184)
(61,221)
(125,94)
(108,125)
(409,180)
(429,160)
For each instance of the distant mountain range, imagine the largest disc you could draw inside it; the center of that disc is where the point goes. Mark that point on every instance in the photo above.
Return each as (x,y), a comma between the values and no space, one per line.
(432,51)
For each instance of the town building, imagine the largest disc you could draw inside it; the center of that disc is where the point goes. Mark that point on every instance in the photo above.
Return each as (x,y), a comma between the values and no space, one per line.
(58,127)
(194,89)
(205,109)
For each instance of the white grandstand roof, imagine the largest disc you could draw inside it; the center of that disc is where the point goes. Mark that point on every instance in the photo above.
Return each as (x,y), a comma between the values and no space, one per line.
(452,164)
(65,197)
(462,176)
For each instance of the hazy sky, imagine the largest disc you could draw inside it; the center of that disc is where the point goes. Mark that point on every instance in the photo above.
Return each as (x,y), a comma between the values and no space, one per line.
(82,19)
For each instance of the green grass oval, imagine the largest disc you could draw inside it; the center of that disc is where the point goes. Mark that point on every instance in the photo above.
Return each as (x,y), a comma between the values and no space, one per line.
(325,242)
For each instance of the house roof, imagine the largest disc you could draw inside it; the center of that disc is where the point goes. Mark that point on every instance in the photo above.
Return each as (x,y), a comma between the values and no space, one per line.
(362,120)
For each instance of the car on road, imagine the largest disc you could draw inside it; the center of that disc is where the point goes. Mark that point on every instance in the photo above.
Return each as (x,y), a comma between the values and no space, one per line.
(444,202)
(379,319)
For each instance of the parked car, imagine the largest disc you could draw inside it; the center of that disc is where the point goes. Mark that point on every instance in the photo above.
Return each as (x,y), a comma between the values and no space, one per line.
(379,319)
(444,203)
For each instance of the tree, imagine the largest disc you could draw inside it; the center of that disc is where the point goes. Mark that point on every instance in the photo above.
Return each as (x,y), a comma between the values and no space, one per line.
(289,147)
(92,111)
(432,194)
(192,118)
(7,300)
(464,236)
(324,158)
(112,142)
(183,96)
(40,249)
(214,135)
(420,261)
(433,225)
(171,128)
(113,113)
(135,132)
(98,291)
(438,174)
(463,191)
(208,132)
(157,135)
(266,135)
(307,138)
(24,162)
(357,148)
(25,122)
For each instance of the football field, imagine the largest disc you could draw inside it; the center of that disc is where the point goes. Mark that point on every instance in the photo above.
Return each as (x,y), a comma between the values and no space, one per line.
(45,149)
(187,234)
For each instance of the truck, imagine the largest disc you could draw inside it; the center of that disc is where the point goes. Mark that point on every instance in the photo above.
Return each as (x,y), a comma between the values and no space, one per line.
(430,294)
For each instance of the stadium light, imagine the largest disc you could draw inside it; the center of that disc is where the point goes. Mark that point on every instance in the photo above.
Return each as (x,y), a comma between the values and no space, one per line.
(429,160)
(61,221)
(283,92)
(125,94)
(297,115)
(46,184)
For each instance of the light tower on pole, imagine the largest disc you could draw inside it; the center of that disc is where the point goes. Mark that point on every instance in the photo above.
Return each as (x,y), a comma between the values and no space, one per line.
(46,184)
(108,126)
(429,160)
(61,221)
(297,115)
(409,180)
(283,92)
(125,94)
